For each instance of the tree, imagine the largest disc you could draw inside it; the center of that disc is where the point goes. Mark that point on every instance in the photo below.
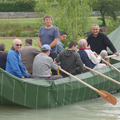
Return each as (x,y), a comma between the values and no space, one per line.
(71,17)
(68,15)
(106,8)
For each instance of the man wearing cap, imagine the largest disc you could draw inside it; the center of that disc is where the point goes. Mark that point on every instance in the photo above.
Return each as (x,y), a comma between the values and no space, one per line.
(43,63)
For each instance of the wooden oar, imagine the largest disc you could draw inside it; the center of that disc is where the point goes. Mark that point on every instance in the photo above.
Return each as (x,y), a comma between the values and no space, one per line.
(110,65)
(105,95)
(102,75)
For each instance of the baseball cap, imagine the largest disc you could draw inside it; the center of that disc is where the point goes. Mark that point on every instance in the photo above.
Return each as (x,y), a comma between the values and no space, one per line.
(46,47)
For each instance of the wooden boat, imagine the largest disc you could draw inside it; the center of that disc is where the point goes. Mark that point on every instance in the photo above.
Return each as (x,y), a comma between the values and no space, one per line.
(35,93)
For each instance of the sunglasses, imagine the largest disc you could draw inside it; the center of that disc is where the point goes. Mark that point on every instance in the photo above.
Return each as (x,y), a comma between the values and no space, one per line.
(18,44)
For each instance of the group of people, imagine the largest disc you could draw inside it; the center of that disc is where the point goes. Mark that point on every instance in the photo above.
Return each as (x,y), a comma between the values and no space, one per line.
(28,60)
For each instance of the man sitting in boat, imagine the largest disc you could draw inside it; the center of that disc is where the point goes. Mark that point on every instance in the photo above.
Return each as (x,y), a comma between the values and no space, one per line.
(14,64)
(42,65)
(69,59)
(28,54)
(89,58)
(3,56)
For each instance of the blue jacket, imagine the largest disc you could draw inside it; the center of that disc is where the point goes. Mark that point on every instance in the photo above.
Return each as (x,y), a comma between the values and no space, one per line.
(14,64)
(60,46)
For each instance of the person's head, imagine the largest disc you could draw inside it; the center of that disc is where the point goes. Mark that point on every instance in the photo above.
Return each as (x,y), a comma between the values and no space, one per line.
(17,44)
(63,36)
(48,20)
(82,43)
(95,29)
(28,41)
(73,45)
(2,47)
(46,49)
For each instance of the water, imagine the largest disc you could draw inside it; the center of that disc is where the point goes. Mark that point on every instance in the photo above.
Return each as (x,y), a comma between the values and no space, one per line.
(93,109)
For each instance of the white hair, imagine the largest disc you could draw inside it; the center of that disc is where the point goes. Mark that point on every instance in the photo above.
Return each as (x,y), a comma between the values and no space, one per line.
(82,42)
(16,40)
(95,25)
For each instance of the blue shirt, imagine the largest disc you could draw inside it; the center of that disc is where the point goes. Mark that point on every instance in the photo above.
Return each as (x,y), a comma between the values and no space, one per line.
(48,35)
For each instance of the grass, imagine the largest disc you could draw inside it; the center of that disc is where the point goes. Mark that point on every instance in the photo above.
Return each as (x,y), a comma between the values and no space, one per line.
(8,43)
(11,24)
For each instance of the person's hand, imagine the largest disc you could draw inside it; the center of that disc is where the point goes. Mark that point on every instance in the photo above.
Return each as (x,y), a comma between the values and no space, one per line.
(23,77)
(26,71)
(95,54)
(55,61)
(83,65)
(117,54)
(51,73)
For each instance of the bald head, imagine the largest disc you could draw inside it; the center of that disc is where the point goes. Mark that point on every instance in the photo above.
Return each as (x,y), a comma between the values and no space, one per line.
(17,43)
(82,43)
(16,40)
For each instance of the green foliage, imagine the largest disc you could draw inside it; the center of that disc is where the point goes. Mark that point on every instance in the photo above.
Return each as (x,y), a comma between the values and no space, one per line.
(17,6)
(70,16)
(41,6)
(112,25)
(107,8)
(18,31)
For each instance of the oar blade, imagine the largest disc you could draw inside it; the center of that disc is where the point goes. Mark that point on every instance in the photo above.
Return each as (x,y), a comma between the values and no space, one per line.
(108,97)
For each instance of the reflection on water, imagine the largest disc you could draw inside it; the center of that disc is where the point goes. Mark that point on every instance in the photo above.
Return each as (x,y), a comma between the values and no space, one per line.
(93,109)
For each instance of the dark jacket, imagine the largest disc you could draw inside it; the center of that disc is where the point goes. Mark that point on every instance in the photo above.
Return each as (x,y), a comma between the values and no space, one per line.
(68,60)
(3,59)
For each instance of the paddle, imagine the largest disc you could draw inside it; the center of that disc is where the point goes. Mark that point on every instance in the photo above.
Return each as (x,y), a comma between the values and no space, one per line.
(102,75)
(105,95)
(110,65)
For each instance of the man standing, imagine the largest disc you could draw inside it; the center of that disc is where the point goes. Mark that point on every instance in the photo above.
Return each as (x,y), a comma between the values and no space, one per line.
(69,59)
(28,54)
(3,56)
(42,65)
(60,46)
(49,34)
(99,41)
(88,57)
(14,64)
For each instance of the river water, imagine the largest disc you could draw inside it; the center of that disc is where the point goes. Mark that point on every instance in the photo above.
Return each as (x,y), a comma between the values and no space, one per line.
(92,109)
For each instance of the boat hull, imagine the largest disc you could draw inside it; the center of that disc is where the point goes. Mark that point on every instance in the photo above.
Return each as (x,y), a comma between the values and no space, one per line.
(35,93)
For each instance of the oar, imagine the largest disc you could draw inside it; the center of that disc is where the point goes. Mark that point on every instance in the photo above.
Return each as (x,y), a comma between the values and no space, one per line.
(105,95)
(110,65)
(102,75)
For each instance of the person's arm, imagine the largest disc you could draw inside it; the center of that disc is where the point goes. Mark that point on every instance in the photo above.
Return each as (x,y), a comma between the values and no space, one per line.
(13,61)
(109,44)
(79,61)
(39,42)
(88,40)
(56,37)
(59,48)
(57,59)
(92,57)
(54,43)
(53,65)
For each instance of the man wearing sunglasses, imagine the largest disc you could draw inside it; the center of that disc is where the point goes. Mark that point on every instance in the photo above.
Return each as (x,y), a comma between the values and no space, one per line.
(14,64)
